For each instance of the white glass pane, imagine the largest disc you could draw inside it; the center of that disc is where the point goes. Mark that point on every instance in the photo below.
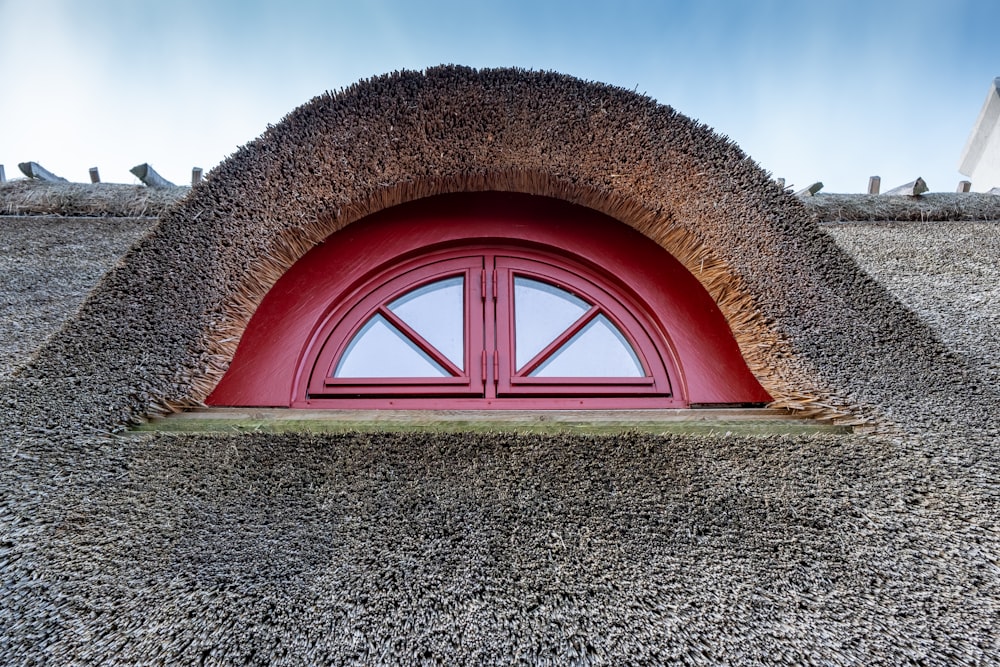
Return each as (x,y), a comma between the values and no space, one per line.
(541,313)
(437,312)
(380,350)
(597,350)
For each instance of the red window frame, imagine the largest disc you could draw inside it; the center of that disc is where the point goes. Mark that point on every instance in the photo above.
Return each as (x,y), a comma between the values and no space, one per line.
(384,288)
(605,300)
(488,272)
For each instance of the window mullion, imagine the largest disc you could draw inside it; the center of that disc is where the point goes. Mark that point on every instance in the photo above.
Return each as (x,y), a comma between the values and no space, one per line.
(492,328)
(486,327)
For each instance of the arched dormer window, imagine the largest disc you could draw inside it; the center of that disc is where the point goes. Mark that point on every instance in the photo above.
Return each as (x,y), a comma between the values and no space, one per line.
(487,300)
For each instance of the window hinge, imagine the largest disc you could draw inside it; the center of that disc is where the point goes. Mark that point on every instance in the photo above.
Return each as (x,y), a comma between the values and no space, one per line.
(482,277)
(496,367)
(484,366)
(494,284)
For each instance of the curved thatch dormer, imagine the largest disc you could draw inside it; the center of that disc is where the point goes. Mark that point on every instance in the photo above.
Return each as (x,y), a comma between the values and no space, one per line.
(409,136)
(185,294)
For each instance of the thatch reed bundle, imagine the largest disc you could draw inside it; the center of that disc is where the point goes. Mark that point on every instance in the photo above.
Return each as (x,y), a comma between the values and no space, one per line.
(34,197)
(941,206)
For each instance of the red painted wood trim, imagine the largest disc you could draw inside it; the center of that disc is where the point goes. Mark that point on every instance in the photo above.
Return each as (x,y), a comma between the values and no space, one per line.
(331,338)
(270,362)
(627,314)
(335,336)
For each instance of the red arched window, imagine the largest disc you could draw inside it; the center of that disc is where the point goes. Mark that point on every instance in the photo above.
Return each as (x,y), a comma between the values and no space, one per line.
(487,300)
(488,322)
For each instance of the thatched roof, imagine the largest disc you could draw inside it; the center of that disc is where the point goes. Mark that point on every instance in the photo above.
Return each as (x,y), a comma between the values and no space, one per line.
(48,265)
(498,548)
(938,206)
(34,197)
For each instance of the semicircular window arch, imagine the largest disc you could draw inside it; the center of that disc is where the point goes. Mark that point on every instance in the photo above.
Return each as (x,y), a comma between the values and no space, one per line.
(488,324)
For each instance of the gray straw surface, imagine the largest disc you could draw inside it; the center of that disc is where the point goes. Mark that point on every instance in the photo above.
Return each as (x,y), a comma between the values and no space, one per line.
(499,548)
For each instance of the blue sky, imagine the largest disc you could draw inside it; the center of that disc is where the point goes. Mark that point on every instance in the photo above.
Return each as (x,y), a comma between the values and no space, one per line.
(813,91)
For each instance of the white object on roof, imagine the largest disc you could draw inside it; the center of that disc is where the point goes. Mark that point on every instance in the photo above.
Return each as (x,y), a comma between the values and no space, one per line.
(981,157)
